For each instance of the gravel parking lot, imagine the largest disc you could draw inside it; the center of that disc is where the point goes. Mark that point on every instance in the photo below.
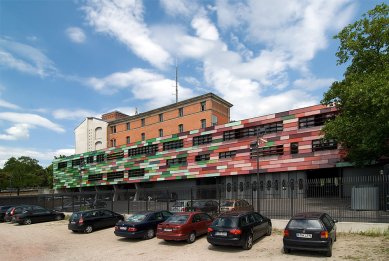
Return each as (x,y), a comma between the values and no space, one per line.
(53,241)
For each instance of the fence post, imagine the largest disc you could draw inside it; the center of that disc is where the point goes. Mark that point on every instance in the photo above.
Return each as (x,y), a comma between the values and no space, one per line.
(128,201)
(52,204)
(291,196)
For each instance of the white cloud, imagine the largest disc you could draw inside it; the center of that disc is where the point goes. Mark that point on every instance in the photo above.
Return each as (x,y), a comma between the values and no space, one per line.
(76,34)
(123,20)
(44,156)
(179,7)
(8,105)
(31,120)
(17,132)
(312,83)
(143,84)
(25,58)
(74,114)
(204,28)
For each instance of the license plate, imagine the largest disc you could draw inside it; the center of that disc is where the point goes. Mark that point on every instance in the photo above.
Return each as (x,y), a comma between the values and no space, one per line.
(168,229)
(223,234)
(73,222)
(303,235)
(123,228)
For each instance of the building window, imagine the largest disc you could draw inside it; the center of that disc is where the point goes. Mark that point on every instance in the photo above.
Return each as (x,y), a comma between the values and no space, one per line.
(323,144)
(77,162)
(202,157)
(227,154)
(89,159)
(180,128)
(203,123)
(62,165)
(160,117)
(98,133)
(143,122)
(115,155)
(301,184)
(173,145)
(276,184)
(143,136)
(98,145)
(294,148)
(267,151)
(176,161)
(241,186)
(160,132)
(254,186)
(113,129)
(95,177)
(128,126)
(228,187)
(261,185)
(202,105)
(268,184)
(100,158)
(203,139)
(136,173)
(214,120)
(115,175)
(113,143)
(128,139)
(315,120)
(146,150)
(252,131)
(180,112)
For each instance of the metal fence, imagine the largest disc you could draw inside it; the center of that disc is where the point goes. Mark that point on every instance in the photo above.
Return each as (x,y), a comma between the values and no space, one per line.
(358,199)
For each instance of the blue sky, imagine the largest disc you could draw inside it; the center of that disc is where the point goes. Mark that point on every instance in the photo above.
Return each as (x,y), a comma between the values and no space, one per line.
(63,60)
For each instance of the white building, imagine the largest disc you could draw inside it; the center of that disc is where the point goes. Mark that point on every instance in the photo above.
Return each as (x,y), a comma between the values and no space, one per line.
(91,135)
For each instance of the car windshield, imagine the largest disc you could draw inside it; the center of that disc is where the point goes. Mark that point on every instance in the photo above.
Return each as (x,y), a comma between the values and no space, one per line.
(178,204)
(199,203)
(75,216)
(136,218)
(227,222)
(304,224)
(227,204)
(177,219)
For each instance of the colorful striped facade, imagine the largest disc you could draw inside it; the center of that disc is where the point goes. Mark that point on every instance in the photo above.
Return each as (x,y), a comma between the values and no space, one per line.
(293,142)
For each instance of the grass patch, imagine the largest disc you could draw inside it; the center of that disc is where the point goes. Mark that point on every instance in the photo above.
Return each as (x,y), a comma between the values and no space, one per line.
(373,232)
(278,231)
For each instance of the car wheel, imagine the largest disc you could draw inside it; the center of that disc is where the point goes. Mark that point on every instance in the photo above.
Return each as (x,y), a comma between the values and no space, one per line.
(88,229)
(329,251)
(74,231)
(149,234)
(248,244)
(286,250)
(191,238)
(268,233)
(58,218)
(27,221)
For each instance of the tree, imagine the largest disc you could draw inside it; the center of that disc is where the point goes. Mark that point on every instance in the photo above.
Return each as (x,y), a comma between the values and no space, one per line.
(362,97)
(23,172)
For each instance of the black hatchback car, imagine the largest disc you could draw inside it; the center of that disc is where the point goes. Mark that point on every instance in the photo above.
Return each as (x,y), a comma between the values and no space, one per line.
(141,225)
(238,229)
(38,214)
(90,220)
(13,211)
(310,231)
(4,209)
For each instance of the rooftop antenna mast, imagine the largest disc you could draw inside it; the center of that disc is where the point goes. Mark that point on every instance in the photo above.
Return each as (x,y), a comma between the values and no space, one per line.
(176,81)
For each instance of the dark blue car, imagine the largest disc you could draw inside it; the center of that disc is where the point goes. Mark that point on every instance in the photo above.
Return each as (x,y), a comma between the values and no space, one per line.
(141,225)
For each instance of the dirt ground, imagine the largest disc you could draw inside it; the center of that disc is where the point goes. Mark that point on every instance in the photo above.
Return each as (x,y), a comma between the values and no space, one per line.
(53,241)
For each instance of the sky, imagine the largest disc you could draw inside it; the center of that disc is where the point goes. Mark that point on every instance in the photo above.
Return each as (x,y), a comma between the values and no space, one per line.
(64,60)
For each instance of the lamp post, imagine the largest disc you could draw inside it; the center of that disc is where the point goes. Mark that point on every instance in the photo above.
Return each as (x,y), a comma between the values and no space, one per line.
(260,132)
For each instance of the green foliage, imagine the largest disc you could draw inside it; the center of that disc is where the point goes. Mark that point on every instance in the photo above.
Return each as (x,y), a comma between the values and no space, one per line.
(362,97)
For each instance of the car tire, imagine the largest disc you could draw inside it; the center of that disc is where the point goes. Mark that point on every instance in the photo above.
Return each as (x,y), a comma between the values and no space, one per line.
(58,218)
(27,221)
(248,244)
(329,251)
(191,238)
(74,231)
(269,229)
(88,229)
(286,250)
(149,234)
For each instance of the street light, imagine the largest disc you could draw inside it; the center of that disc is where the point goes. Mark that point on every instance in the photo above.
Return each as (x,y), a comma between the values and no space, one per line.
(260,132)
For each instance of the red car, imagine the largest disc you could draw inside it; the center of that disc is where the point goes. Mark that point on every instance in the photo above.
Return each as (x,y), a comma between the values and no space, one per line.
(184,226)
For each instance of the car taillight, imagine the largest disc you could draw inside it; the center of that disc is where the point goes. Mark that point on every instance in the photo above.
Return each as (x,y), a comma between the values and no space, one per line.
(81,221)
(286,233)
(131,229)
(210,230)
(236,231)
(324,234)
(12,212)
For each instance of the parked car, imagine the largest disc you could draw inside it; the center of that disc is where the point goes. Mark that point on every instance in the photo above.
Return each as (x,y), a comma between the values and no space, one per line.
(11,212)
(181,206)
(208,206)
(90,220)
(235,205)
(184,226)
(38,214)
(238,229)
(310,231)
(142,224)
(4,209)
